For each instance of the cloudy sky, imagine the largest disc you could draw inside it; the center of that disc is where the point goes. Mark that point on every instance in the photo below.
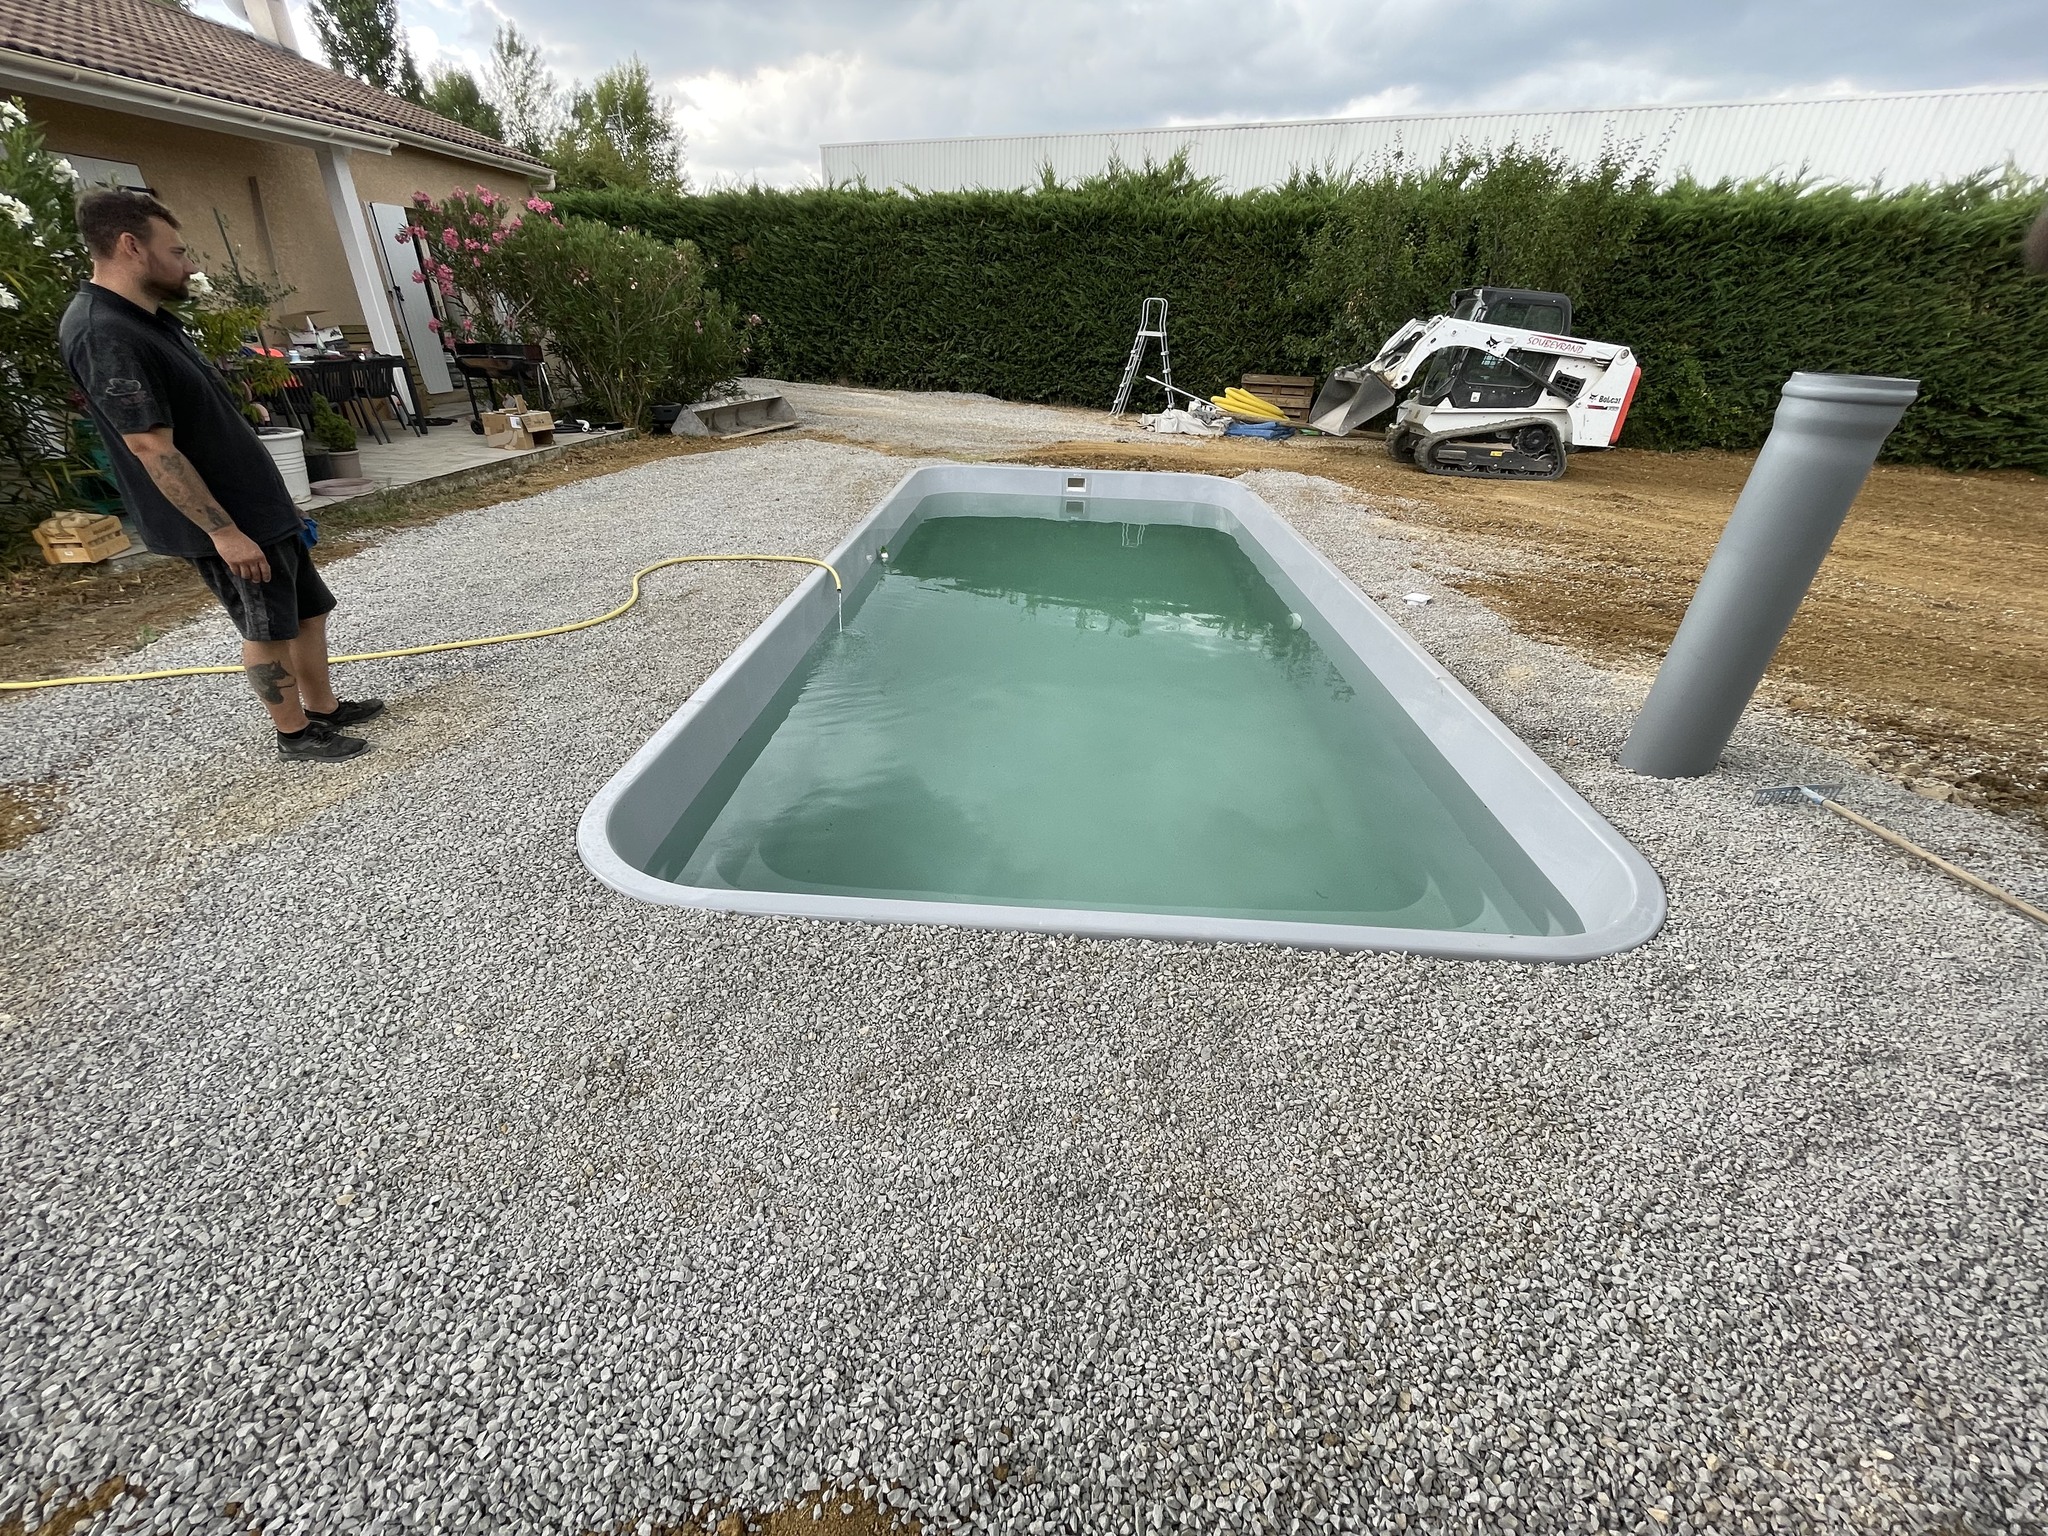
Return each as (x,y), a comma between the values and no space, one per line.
(760,84)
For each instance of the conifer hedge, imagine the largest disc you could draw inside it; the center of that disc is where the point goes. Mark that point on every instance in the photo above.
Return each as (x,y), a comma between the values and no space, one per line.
(1722,291)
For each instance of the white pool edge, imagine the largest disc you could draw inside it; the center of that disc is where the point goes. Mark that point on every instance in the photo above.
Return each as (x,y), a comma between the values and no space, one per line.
(1611,887)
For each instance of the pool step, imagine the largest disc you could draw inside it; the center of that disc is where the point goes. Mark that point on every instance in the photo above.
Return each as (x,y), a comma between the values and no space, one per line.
(735,418)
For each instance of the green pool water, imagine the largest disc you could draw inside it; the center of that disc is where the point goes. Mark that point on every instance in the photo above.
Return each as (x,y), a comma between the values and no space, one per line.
(1030,710)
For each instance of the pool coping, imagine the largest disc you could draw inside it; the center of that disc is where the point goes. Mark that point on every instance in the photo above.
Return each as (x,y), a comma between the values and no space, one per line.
(1605,879)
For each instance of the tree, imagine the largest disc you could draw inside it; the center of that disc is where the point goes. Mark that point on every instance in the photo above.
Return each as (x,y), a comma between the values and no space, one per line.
(620,135)
(455,94)
(362,38)
(525,93)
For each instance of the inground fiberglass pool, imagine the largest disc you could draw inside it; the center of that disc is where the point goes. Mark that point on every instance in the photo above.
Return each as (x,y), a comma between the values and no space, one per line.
(1116,704)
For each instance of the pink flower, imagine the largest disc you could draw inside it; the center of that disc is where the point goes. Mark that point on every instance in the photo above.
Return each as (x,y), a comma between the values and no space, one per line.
(434,326)
(448,236)
(478,221)
(539,205)
(515,223)
(403,237)
(487,197)
(419,277)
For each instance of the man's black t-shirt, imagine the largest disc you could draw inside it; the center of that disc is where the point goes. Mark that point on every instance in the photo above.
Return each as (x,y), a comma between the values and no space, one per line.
(139,371)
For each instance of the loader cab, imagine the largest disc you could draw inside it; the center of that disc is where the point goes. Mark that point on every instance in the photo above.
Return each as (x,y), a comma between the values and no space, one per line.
(1523,309)
(1471,380)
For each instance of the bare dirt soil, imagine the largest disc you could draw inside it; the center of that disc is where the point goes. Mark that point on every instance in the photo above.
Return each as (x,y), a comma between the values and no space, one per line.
(1924,643)
(59,619)
(825,1514)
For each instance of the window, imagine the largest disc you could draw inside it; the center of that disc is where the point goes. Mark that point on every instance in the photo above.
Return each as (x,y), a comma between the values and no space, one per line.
(1529,314)
(94,172)
(1489,383)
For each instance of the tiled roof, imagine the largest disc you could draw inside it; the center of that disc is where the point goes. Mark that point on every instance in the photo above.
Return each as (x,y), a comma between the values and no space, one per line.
(140,40)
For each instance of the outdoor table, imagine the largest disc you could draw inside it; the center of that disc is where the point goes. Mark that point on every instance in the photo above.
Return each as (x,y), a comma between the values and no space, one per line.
(354,385)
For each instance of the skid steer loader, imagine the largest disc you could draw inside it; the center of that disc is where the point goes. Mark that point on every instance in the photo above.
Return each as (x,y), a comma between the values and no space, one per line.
(1502,388)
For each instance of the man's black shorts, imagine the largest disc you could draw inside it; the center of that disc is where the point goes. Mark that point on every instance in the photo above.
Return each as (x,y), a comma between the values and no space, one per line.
(274,609)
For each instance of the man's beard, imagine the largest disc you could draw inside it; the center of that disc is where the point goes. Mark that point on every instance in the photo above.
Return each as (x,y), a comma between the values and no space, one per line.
(166,293)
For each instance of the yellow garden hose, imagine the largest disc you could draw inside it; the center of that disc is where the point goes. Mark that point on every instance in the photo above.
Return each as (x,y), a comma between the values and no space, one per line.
(445,645)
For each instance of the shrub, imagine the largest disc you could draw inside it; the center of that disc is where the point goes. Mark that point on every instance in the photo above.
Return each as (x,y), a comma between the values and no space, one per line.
(42,463)
(331,429)
(1722,291)
(1395,246)
(230,335)
(459,240)
(1024,295)
(628,315)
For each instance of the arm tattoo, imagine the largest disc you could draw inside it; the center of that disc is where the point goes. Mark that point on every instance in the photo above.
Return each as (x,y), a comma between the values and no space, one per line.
(181,485)
(270,679)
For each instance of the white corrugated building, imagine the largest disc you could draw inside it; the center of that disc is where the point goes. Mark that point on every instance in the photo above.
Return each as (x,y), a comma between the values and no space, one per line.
(1895,140)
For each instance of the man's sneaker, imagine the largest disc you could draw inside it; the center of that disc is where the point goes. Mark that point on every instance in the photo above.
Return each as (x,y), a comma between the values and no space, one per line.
(349,712)
(319,742)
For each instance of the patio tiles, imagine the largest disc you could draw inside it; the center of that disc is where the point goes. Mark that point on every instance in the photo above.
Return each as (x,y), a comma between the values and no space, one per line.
(409,458)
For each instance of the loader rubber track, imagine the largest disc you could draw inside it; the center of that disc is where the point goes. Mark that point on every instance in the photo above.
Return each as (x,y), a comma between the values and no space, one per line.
(1500,455)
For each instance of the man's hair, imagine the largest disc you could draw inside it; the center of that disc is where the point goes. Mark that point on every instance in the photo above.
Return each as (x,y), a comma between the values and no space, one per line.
(108,214)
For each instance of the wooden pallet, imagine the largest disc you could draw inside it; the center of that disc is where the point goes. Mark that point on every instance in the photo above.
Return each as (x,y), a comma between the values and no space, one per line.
(80,538)
(1291,392)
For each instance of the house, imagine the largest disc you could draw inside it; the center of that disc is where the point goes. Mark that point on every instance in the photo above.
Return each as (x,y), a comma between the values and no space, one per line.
(294,171)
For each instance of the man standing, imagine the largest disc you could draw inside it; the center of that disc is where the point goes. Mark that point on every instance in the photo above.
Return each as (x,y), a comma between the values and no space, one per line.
(192,471)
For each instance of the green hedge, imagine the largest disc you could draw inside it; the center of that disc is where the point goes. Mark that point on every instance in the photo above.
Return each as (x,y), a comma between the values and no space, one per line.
(1724,294)
(1722,291)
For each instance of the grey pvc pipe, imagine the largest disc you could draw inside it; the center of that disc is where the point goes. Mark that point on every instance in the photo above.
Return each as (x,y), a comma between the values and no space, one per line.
(1823,441)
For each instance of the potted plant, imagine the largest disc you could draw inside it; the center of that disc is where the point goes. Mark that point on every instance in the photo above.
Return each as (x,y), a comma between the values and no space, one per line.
(337,440)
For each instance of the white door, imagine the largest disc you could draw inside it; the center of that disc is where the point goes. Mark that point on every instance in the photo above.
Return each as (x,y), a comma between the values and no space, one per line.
(409,298)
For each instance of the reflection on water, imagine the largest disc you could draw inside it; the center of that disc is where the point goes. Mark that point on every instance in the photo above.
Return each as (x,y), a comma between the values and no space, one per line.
(1049,712)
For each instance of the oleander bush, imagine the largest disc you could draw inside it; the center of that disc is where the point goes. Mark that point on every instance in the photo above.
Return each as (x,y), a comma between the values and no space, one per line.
(42,459)
(628,315)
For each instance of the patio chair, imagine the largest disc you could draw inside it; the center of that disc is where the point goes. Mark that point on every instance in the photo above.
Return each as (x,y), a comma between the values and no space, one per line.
(340,379)
(377,380)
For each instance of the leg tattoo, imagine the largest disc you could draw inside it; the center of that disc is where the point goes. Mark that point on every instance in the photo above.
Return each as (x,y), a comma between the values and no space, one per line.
(269,679)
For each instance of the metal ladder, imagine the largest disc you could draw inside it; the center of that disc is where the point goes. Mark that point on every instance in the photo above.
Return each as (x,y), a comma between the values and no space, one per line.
(1151,322)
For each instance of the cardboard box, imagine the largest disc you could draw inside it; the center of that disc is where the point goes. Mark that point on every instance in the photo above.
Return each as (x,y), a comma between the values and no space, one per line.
(80,538)
(518,429)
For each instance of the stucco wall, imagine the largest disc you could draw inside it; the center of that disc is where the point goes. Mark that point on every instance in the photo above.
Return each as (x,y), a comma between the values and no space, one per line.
(393,178)
(198,173)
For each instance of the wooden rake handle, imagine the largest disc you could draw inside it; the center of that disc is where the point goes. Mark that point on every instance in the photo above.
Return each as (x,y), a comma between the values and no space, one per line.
(1938,862)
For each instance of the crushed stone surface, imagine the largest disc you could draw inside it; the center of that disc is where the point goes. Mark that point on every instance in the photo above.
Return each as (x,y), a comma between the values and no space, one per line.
(954,425)
(369,1167)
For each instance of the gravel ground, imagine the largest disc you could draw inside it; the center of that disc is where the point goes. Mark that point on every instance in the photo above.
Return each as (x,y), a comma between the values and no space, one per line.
(371,1168)
(953,425)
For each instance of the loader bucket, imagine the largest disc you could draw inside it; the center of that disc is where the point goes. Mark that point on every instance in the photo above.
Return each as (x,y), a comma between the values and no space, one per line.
(1350,399)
